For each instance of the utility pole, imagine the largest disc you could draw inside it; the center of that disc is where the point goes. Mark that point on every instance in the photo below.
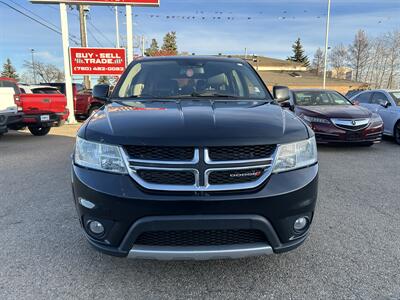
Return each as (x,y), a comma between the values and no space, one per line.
(116,26)
(326,43)
(33,66)
(245,53)
(143,41)
(82,22)
(129,34)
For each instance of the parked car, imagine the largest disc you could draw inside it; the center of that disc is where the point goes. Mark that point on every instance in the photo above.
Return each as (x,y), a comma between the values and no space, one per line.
(40,111)
(353,93)
(334,118)
(194,159)
(386,103)
(8,109)
(84,102)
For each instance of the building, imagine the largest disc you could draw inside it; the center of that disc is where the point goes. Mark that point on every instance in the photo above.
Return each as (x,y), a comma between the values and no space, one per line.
(294,75)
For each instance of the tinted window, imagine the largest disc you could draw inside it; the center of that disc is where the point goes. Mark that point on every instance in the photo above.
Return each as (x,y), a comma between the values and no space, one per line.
(363,98)
(45,91)
(186,78)
(79,87)
(6,83)
(378,98)
(396,97)
(309,98)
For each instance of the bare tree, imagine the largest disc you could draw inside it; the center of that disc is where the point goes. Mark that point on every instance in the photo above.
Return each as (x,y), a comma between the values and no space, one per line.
(318,61)
(393,42)
(338,59)
(47,72)
(376,61)
(359,53)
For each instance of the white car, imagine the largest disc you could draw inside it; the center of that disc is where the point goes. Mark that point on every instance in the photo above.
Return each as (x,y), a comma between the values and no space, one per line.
(38,89)
(8,109)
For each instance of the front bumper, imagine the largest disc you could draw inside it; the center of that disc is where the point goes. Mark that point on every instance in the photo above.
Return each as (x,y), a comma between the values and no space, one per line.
(127,211)
(7,119)
(328,133)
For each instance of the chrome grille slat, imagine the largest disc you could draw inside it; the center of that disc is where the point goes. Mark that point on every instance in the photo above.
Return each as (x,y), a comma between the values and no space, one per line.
(351,124)
(201,169)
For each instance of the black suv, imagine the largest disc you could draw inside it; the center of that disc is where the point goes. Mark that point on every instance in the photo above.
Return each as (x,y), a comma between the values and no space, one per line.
(192,158)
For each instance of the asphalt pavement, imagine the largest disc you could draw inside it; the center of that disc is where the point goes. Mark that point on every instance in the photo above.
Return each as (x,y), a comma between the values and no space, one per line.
(353,251)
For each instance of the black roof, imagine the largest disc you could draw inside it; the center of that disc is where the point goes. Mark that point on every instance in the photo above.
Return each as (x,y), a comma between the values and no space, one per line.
(191,58)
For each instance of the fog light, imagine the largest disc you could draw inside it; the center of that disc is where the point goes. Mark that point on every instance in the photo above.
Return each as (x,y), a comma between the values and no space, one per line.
(300,224)
(96,227)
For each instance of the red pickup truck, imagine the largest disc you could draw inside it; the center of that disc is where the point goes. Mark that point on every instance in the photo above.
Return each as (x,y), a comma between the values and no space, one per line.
(41,108)
(84,103)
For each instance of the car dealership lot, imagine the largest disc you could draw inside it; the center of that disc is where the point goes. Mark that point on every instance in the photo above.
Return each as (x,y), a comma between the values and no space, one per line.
(353,250)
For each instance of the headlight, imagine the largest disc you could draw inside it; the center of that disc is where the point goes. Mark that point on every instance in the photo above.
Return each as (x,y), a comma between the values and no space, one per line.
(295,155)
(99,156)
(316,120)
(376,120)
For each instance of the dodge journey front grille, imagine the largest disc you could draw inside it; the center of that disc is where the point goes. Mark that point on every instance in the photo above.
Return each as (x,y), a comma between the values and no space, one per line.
(160,153)
(167,177)
(240,152)
(199,169)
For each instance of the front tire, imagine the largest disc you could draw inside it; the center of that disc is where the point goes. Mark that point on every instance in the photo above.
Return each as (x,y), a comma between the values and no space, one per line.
(39,131)
(397,132)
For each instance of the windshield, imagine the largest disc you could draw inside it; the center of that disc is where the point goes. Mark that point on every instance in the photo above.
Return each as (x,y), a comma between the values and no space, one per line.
(191,78)
(396,97)
(310,98)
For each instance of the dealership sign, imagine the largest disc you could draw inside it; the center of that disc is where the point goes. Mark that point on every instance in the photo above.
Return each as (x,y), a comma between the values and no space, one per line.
(97,61)
(103,2)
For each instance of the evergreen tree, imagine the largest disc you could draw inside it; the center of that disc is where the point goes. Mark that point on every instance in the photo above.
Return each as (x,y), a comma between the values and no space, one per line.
(170,45)
(298,54)
(153,49)
(9,70)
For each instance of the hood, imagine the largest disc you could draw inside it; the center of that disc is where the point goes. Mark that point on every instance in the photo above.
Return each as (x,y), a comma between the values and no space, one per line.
(194,122)
(335,111)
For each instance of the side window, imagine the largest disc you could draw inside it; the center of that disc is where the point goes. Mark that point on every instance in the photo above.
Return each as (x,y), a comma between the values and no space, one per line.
(79,87)
(5,83)
(379,98)
(363,97)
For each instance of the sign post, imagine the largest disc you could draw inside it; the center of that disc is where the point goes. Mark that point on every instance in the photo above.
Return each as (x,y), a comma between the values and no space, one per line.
(67,71)
(65,41)
(129,33)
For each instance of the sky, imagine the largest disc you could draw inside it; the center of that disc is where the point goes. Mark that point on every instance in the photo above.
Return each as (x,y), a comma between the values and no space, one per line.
(264,27)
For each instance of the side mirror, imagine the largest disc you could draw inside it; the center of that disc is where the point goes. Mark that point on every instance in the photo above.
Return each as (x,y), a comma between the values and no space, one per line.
(287,104)
(101,91)
(383,103)
(281,93)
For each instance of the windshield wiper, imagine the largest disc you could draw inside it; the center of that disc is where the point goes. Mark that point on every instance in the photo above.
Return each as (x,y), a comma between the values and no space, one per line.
(214,95)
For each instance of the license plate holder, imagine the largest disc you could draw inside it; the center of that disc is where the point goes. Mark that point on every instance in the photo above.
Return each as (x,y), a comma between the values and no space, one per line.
(45,118)
(353,136)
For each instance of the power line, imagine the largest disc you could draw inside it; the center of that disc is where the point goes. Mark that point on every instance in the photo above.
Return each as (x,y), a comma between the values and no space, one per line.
(33,13)
(93,36)
(102,34)
(36,20)
(36,15)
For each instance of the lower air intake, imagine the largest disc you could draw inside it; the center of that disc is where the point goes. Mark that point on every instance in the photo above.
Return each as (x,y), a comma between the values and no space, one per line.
(201,237)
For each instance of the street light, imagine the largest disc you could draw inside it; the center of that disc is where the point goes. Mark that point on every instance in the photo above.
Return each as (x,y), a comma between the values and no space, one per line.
(33,65)
(326,42)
